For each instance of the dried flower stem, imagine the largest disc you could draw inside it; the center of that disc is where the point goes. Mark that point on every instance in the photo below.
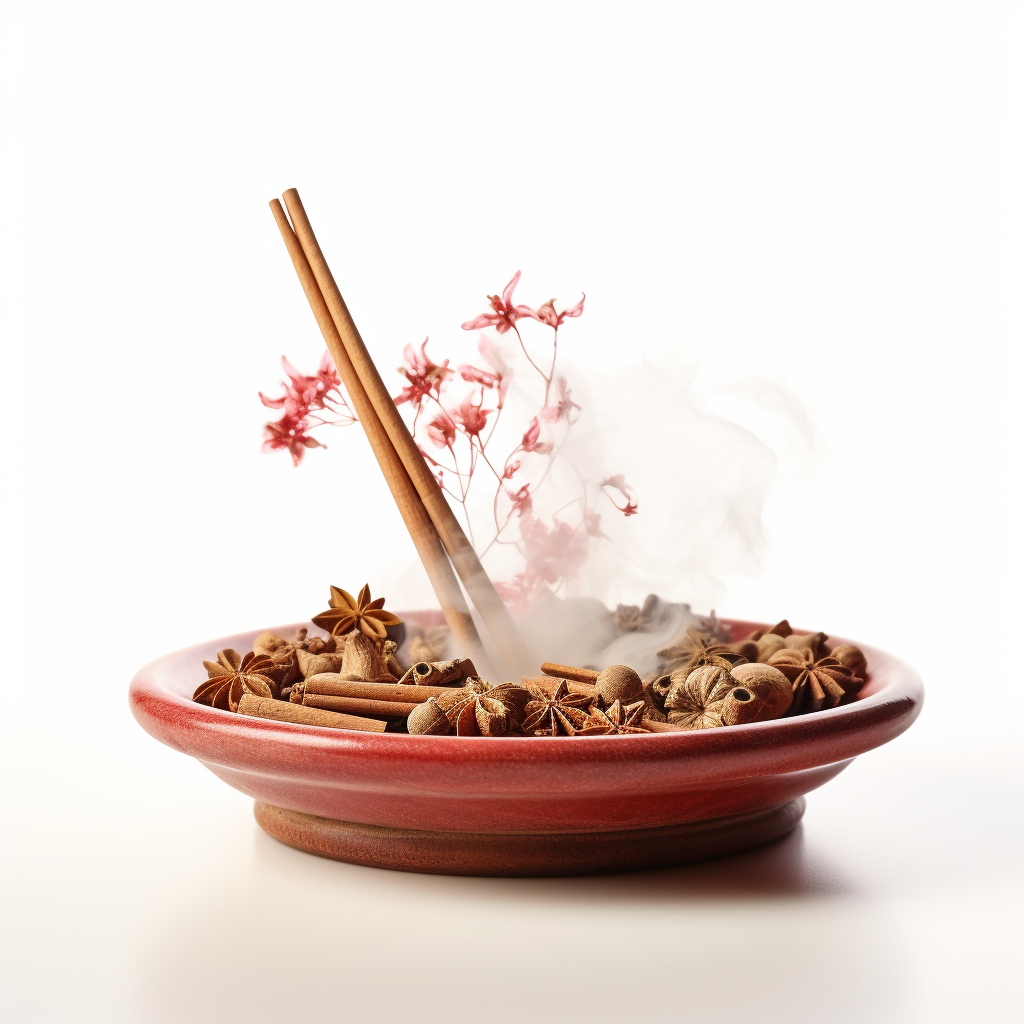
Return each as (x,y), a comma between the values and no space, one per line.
(503,631)
(417,520)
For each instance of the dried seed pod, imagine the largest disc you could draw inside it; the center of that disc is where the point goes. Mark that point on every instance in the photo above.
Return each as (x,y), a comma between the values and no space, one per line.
(428,720)
(656,691)
(782,629)
(231,676)
(817,682)
(314,664)
(852,658)
(619,683)
(762,693)
(556,714)
(362,660)
(616,721)
(695,699)
(769,644)
(745,649)
(696,649)
(815,641)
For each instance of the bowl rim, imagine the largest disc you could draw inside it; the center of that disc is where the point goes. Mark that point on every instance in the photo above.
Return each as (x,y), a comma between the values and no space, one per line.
(892,700)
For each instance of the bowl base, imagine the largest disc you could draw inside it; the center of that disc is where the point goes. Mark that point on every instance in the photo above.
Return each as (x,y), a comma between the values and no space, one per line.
(538,854)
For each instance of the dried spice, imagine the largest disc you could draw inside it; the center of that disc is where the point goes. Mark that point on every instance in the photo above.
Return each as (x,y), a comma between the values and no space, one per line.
(768,645)
(558,714)
(616,721)
(852,658)
(696,649)
(782,629)
(619,683)
(763,693)
(817,682)
(231,676)
(695,698)
(288,655)
(347,613)
(364,660)
(814,641)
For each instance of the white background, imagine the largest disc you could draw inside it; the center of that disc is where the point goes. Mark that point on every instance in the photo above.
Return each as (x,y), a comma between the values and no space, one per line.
(825,195)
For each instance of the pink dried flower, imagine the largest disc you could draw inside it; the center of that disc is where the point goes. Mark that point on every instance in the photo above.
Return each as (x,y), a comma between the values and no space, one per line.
(618,483)
(505,314)
(472,418)
(290,434)
(522,502)
(564,406)
(546,314)
(441,430)
(425,377)
(531,442)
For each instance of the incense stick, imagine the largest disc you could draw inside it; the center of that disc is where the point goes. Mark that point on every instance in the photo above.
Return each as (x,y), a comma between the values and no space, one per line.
(417,521)
(500,626)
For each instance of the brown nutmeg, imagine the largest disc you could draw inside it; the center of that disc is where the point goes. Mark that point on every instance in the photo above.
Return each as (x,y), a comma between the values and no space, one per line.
(428,720)
(619,683)
(769,644)
(762,694)
(852,658)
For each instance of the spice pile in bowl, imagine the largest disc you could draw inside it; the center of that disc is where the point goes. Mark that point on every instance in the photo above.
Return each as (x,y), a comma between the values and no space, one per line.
(374,673)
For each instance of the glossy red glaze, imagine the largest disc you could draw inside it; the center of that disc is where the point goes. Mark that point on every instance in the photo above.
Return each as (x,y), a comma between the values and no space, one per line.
(593,783)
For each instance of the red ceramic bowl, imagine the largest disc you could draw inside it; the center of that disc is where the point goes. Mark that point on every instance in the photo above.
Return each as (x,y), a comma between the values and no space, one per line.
(519,806)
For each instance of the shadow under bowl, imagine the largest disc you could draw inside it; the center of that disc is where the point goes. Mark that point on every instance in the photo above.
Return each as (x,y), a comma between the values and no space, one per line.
(517,805)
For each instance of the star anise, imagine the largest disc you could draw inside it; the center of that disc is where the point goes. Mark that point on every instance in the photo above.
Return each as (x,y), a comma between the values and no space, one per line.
(560,713)
(231,675)
(347,613)
(817,682)
(696,649)
(616,721)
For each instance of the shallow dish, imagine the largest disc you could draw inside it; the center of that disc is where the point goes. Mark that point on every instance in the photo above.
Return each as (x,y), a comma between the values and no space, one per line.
(522,806)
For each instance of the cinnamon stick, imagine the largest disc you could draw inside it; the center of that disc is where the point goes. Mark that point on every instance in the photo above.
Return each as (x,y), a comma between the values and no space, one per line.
(582,675)
(332,685)
(417,521)
(502,629)
(281,711)
(357,705)
(549,684)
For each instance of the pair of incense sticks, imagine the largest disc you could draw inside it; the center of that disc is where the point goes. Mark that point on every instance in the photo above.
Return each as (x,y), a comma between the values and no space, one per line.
(432,525)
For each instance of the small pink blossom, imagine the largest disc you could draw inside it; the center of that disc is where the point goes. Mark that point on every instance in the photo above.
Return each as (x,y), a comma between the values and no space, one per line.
(291,435)
(546,314)
(522,502)
(425,377)
(473,374)
(618,483)
(531,442)
(441,430)
(563,406)
(511,468)
(505,314)
(472,418)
